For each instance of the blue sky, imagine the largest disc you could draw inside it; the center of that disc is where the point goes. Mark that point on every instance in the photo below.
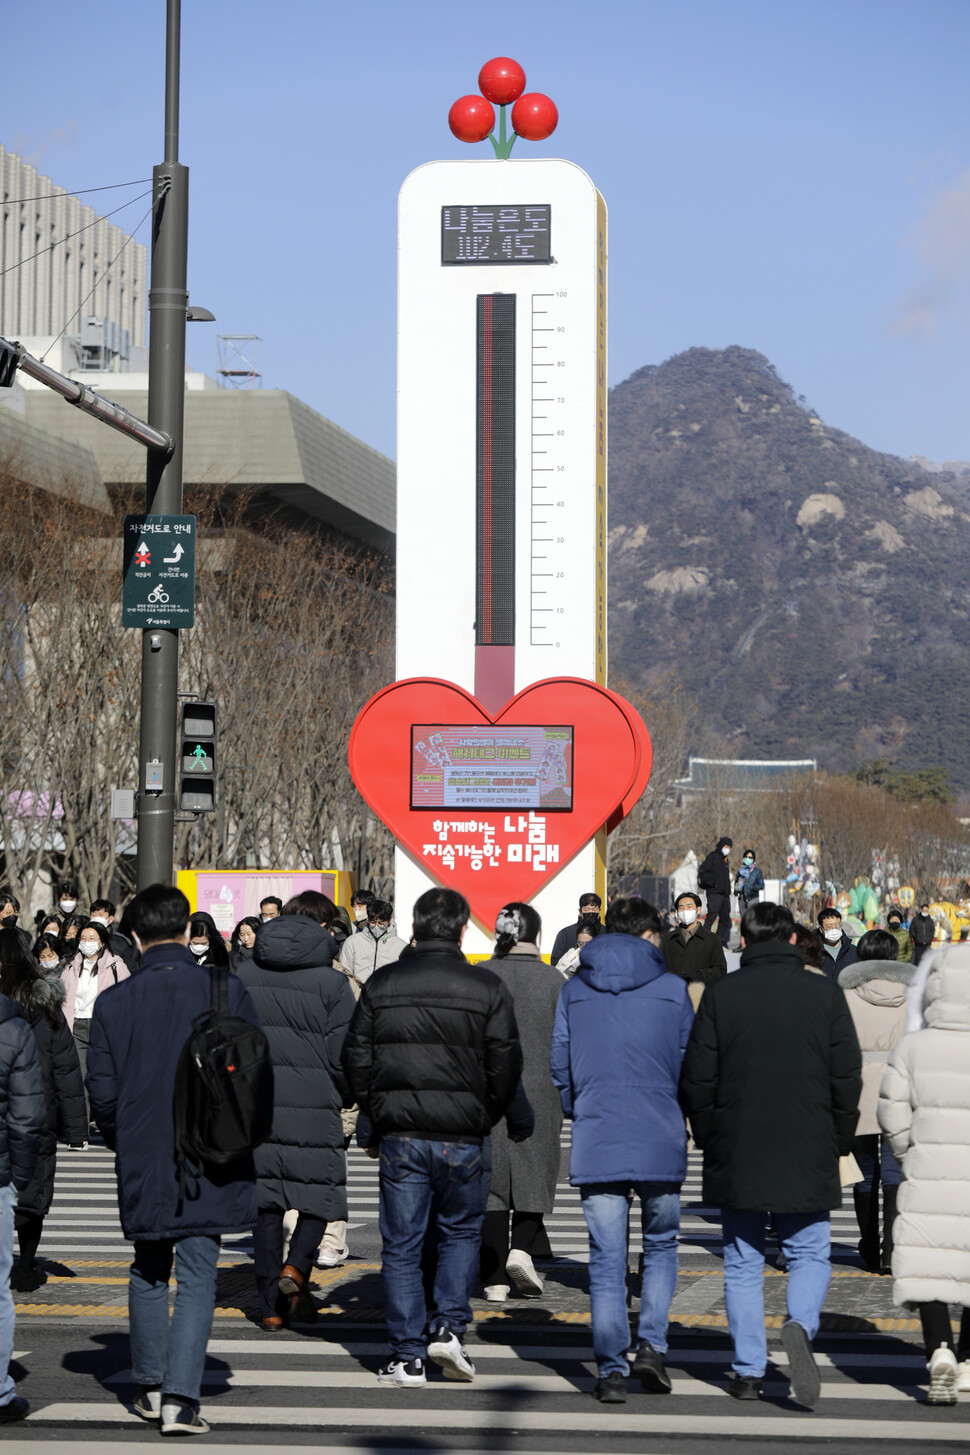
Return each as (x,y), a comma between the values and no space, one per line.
(788,175)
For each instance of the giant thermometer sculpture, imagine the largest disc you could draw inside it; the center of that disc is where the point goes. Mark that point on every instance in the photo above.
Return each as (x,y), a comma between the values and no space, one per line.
(498,759)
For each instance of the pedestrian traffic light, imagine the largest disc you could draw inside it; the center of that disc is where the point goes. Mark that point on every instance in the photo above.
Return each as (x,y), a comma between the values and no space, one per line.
(197,780)
(9,359)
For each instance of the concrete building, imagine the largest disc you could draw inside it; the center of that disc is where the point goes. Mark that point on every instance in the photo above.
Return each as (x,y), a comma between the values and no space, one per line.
(54,252)
(264,443)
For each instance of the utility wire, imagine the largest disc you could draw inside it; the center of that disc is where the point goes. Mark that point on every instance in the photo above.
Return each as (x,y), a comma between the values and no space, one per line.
(51,246)
(97,284)
(78,192)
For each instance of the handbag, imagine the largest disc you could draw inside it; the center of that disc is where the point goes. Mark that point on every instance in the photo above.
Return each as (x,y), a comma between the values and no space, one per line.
(849,1171)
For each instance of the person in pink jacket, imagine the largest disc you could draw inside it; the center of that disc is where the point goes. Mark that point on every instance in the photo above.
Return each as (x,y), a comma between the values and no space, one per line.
(92,970)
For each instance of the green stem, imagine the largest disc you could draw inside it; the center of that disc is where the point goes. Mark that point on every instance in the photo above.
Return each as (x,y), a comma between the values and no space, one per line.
(503,146)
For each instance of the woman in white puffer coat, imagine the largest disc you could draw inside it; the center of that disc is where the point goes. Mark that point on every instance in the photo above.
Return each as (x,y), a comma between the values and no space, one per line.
(924,1111)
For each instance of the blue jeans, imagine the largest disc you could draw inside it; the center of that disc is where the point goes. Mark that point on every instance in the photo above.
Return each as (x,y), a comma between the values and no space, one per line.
(805,1242)
(8,1201)
(169,1353)
(606,1208)
(438,1184)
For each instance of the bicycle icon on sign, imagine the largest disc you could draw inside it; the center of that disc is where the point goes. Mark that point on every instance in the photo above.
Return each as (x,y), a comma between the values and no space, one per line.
(157,597)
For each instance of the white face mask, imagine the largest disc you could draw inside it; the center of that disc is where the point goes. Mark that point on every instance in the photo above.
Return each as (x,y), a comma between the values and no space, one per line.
(726,850)
(68,905)
(687,916)
(88,951)
(360,912)
(833,936)
(49,964)
(97,920)
(199,950)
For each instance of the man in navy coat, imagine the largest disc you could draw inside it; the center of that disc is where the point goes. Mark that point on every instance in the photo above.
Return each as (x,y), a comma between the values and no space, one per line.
(137,1033)
(621,1028)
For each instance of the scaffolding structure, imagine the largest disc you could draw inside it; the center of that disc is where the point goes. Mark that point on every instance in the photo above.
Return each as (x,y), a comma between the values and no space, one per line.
(240,363)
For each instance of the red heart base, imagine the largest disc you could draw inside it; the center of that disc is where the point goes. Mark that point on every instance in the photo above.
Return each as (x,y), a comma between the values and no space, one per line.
(493,856)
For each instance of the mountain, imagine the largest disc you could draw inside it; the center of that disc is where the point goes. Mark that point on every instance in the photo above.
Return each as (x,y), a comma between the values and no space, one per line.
(808,592)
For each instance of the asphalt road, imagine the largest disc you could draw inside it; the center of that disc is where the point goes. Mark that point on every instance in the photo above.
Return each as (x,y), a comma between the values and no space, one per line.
(316,1387)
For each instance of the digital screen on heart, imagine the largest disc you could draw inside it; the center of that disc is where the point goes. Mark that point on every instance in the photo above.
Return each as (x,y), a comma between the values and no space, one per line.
(489,767)
(511,234)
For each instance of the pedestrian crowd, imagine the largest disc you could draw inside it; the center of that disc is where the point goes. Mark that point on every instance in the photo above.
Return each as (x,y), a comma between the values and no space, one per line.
(816,1065)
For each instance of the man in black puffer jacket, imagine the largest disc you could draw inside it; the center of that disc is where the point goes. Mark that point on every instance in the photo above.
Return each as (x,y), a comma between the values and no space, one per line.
(304,1006)
(433,1058)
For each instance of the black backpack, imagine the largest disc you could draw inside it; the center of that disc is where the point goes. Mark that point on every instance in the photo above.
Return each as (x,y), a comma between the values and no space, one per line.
(223,1088)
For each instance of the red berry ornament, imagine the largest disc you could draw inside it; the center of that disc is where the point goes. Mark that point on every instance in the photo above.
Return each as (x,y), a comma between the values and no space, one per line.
(502,80)
(471,118)
(534,116)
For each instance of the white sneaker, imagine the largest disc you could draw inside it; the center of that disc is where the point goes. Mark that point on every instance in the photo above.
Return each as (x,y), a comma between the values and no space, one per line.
(448,1352)
(332,1257)
(182,1419)
(520,1268)
(943,1376)
(496,1292)
(963,1377)
(403,1372)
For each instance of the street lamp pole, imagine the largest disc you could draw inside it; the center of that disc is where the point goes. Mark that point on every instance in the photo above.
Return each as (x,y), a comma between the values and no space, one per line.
(167,305)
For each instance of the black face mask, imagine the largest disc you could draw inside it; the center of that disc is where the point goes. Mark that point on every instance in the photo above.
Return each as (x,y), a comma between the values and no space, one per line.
(589,914)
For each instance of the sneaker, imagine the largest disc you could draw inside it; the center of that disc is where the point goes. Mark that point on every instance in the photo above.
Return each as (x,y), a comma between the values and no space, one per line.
(650,1368)
(963,1377)
(611,1389)
(180,1418)
(943,1376)
(521,1270)
(148,1403)
(14,1409)
(448,1352)
(496,1292)
(78,1146)
(332,1257)
(403,1372)
(743,1386)
(806,1382)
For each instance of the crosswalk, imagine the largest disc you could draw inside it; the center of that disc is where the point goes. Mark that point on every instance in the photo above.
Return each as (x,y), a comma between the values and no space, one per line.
(535,1385)
(83,1221)
(318,1389)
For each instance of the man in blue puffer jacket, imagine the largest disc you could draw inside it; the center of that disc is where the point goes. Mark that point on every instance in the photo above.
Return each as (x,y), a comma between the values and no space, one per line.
(621,1029)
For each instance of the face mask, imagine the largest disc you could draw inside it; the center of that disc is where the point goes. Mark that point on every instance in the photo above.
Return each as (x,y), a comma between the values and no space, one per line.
(97,920)
(748,861)
(49,964)
(687,916)
(88,951)
(68,905)
(833,936)
(199,950)
(589,914)
(726,850)
(378,931)
(360,912)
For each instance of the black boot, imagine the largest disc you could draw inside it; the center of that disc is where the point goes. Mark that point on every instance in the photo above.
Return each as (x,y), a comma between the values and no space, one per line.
(867,1216)
(888,1218)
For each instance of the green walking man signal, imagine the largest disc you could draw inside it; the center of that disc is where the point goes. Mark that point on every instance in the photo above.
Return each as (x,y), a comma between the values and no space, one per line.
(197,756)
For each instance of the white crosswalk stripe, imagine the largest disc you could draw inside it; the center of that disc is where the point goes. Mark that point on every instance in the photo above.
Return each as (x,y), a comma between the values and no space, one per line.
(85,1206)
(547,1387)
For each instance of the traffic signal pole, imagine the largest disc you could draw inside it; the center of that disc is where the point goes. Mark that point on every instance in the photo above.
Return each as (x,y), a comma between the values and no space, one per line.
(167,305)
